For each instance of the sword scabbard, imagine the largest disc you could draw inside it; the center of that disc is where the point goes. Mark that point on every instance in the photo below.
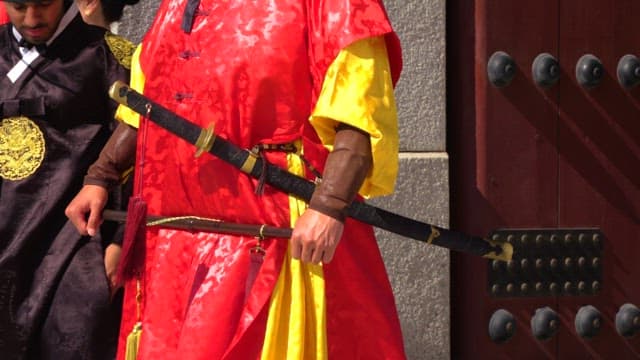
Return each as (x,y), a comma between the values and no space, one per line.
(299,186)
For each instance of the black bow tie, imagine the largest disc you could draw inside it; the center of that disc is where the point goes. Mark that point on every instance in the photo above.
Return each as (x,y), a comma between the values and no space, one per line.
(27,45)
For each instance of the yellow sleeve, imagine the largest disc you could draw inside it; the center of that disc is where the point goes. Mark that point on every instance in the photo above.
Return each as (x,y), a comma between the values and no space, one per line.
(358,91)
(123,113)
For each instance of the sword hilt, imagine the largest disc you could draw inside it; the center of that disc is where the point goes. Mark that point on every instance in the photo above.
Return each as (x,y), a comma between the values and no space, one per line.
(118,92)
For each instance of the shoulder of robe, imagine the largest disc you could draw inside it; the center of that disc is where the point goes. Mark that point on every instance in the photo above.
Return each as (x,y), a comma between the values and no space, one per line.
(121,48)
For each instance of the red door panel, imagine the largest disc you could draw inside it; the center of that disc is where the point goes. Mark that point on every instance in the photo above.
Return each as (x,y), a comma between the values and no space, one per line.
(506,165)
(561,157)
(599,168)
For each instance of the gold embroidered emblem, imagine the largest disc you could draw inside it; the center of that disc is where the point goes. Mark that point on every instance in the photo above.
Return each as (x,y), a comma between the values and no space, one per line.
(121,48)
(21,148)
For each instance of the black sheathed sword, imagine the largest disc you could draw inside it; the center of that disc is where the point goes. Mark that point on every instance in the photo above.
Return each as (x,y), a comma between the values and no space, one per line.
(252,164)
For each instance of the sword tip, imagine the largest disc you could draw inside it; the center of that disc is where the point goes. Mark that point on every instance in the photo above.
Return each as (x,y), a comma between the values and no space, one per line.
(505,253)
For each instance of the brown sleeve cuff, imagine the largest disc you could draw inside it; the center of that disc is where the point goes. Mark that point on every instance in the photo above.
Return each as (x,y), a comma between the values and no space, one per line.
(335,208)
(88,180)
(345,170)
(117,156)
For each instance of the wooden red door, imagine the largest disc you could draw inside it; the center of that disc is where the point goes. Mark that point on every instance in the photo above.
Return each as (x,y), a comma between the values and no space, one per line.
(556,161)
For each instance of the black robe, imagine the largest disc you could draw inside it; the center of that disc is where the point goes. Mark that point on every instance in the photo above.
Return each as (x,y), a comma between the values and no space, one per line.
(54,294)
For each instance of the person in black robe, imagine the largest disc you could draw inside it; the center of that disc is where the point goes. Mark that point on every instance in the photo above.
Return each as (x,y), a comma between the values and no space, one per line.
(55,117)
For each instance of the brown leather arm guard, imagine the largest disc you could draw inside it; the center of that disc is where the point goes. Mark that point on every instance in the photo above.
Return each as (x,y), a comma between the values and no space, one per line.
(345,170)
(117,156)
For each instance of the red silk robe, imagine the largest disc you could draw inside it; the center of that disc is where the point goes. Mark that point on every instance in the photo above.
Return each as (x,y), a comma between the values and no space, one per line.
(254,70)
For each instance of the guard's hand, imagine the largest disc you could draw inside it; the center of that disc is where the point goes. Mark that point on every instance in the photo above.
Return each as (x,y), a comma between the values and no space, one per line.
(111,259)
(315,237)
(90,201)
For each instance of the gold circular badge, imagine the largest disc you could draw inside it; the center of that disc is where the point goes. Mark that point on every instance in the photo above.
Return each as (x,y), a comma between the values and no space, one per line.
(21,148)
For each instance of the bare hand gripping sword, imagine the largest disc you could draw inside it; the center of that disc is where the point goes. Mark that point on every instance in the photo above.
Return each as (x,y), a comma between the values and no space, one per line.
(246,161)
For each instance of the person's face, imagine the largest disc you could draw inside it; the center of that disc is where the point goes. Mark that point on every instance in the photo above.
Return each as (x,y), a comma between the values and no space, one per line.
(35,21)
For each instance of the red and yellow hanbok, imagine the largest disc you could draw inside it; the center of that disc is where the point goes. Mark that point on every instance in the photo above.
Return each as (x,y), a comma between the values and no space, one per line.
(262,72)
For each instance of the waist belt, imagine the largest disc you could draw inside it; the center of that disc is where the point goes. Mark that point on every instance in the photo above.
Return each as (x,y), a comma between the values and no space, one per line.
(25,107)
(258,149)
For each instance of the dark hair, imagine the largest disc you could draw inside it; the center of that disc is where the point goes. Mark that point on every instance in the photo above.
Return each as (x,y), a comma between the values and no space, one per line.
(112,9)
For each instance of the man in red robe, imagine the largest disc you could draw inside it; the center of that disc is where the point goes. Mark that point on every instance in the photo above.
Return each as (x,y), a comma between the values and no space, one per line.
(309,86)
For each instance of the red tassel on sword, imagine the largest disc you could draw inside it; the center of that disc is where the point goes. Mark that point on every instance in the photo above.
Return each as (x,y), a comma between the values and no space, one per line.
(133,244)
